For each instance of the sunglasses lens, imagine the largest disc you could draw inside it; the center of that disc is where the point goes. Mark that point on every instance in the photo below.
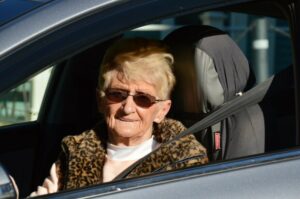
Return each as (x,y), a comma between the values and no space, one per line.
(116,95)
(140,99)
(144,100)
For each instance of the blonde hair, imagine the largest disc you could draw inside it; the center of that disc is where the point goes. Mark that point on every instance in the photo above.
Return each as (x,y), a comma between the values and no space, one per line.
(139,59)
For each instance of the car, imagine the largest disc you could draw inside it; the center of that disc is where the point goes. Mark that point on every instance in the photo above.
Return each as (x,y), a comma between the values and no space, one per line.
(50,55)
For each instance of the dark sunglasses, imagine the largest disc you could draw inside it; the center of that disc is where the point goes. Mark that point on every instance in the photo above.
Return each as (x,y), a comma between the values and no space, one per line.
(143,100)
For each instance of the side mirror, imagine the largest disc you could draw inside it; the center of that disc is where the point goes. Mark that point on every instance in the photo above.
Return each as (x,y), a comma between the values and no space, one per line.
(7,189)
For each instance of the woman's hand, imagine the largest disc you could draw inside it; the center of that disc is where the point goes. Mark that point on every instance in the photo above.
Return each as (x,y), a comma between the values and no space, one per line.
(50,184)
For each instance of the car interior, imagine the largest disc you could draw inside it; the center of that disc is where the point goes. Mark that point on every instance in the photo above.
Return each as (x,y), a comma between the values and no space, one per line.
(69,105)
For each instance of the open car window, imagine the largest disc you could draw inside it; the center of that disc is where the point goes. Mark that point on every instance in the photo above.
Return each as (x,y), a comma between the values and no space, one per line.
(263,40)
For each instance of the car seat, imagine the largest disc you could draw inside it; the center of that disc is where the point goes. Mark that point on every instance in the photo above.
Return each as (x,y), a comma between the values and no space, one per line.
(211,70)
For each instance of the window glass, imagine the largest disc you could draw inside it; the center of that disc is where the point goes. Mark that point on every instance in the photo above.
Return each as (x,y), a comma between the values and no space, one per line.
(22,104)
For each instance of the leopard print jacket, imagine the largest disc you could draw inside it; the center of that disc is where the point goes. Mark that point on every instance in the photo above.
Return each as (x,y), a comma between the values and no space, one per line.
(82,158)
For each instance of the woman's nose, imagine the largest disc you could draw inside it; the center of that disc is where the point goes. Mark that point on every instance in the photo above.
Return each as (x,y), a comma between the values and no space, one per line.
(129,105)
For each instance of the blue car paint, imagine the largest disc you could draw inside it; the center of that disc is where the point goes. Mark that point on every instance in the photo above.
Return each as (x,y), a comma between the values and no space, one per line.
(10,9)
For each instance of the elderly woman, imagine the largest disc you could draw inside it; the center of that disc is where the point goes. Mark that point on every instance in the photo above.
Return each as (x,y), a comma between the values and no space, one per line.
(134,90)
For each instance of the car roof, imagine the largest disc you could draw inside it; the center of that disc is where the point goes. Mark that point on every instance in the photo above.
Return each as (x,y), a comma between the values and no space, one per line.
(44,18)
(11,9)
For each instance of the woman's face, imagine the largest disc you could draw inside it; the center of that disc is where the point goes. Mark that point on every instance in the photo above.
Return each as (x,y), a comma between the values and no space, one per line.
(128,123)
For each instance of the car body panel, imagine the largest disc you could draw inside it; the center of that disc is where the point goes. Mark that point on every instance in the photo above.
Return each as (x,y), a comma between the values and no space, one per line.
(19,8)
(53,16)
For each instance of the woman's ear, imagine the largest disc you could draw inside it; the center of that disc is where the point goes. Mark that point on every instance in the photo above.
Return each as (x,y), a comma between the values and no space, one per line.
(163,111)
(100,101)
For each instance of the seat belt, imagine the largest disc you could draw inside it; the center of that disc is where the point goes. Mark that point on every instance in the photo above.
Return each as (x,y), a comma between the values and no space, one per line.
(249,98)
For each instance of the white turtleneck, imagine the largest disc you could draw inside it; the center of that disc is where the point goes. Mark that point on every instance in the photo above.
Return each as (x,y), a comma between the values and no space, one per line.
(120,157)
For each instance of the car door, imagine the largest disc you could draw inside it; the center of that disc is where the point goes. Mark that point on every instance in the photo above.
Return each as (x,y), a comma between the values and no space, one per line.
(57,41)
